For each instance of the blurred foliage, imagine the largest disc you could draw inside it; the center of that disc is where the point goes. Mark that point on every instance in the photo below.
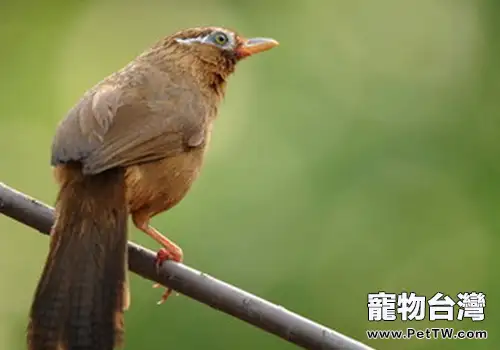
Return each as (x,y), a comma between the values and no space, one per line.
(361,155)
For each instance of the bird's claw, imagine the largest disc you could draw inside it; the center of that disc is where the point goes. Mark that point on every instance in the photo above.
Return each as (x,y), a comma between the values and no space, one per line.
(161,256)
(165,295)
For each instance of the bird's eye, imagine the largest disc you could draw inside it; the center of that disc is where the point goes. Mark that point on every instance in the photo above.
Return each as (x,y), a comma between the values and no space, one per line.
(220,39)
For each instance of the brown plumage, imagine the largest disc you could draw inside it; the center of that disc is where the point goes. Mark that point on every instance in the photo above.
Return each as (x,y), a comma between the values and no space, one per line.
(133,144)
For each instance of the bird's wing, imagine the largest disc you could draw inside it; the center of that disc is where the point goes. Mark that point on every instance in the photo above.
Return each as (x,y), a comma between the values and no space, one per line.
(110,128)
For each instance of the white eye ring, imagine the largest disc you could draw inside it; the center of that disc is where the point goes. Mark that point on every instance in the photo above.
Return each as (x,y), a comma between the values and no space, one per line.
(220,38)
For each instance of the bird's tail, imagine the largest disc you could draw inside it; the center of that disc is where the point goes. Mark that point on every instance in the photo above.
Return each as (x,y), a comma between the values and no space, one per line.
(80,298)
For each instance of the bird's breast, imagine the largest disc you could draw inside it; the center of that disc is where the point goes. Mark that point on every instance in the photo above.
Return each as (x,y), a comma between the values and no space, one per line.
(162,184)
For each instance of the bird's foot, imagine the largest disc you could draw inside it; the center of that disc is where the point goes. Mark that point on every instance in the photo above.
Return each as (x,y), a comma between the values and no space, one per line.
(164,254)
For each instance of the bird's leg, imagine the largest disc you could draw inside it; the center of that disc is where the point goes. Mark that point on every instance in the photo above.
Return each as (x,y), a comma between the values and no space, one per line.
(170,250)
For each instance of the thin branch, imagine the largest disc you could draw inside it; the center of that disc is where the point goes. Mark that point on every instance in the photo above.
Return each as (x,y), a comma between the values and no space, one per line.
(195,284)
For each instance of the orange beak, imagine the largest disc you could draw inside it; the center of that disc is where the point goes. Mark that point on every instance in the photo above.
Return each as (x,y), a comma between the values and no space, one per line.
(252,46)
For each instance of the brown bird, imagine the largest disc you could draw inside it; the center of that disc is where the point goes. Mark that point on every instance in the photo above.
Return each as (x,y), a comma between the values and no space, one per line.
(134,144)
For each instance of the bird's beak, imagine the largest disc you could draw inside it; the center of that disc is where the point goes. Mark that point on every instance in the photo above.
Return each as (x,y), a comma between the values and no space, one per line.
(252,46)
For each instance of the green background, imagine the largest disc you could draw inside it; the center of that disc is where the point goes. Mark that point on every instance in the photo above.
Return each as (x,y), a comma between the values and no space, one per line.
(361,155)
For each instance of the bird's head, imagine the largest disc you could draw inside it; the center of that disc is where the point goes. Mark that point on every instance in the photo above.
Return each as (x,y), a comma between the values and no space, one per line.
(211,50)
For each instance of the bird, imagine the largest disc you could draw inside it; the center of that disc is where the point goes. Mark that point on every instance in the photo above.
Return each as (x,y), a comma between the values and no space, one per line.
(131,146)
